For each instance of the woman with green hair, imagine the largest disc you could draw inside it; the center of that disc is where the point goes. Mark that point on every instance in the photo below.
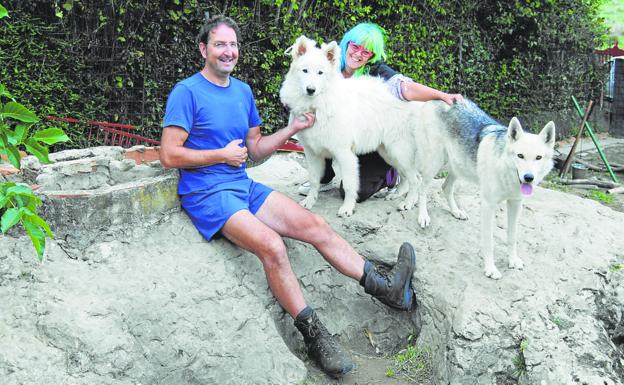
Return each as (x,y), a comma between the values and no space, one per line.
(363,53)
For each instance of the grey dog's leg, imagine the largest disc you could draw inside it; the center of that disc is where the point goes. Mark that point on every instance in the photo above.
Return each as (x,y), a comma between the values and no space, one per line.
(514,207)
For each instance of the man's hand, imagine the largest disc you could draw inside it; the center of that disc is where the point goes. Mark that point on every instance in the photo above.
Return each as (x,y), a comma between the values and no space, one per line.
(234,154)
(302,122)
(451,99)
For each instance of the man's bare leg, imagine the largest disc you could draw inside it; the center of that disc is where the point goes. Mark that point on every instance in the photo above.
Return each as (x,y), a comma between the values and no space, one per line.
(249,233)
(289,219)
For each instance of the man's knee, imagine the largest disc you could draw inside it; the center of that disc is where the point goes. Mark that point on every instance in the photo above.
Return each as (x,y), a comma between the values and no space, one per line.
(317,226)
(273,251)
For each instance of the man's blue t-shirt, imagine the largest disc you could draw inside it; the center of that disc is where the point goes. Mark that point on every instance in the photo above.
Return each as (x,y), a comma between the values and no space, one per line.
(213,116)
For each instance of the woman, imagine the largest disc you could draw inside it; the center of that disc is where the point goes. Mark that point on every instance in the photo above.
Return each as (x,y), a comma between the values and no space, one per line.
(363,53)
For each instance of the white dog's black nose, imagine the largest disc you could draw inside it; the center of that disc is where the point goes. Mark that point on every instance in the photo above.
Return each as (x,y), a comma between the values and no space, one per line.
(528,177)
(310,90)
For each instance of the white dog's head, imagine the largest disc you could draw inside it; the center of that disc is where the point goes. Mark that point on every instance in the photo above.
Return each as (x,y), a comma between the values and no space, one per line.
(311,70)
(532,154)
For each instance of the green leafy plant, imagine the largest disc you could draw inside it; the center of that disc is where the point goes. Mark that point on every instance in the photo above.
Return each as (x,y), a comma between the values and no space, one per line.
(18,203)
(600,196)
(616,267)
(412,362)
(519,361)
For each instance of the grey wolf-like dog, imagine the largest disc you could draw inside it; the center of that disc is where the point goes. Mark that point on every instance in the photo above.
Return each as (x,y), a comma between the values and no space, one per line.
(506,162)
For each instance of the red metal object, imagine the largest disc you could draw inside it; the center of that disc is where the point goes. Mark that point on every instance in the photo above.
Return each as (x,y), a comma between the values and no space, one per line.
(606,54)
(111,134)
(290,146)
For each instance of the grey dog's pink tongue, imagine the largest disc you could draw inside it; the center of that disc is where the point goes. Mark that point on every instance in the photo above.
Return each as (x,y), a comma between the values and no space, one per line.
(526,189)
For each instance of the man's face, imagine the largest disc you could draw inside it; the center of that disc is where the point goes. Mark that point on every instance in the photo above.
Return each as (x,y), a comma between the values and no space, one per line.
(221,52)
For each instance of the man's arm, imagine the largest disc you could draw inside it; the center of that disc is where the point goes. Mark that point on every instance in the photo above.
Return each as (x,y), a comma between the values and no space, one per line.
(262,146)
(173,154)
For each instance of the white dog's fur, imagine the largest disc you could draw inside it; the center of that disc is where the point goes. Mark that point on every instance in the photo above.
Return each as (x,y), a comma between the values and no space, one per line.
(506,162)
(353,116)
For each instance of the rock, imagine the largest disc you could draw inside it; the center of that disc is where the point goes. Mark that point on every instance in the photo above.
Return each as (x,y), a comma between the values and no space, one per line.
(147,300)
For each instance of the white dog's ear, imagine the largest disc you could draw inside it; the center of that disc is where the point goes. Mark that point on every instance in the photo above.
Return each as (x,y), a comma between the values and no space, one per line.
(514,131)
(548,133)
(301,46)
(332,52)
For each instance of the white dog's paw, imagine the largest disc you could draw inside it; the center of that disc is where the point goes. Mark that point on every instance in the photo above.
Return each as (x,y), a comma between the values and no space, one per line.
(516,263)
(345,210)
(407,204)
(460,214)
(424,220)
(308,202)
(492,272)
(392,196)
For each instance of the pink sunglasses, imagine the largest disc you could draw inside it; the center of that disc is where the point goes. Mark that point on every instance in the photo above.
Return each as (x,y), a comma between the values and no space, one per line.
(363,51)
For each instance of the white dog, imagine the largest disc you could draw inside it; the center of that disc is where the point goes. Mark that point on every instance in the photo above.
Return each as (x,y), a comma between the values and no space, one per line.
(506,162)
(353,116)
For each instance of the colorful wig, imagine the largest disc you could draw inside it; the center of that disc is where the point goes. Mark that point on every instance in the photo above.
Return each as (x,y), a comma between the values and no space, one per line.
(368,35)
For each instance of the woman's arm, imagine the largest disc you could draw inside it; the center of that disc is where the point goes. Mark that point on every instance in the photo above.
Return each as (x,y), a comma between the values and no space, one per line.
(418,92)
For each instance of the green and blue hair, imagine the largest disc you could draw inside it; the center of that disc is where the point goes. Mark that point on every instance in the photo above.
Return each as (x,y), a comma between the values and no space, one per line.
(370,36)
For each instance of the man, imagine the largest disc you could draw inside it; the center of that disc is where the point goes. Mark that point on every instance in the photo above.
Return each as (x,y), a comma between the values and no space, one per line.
(211,125)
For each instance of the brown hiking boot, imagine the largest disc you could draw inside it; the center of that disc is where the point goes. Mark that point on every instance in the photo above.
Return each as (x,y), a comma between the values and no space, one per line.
(395,288)
(323,348)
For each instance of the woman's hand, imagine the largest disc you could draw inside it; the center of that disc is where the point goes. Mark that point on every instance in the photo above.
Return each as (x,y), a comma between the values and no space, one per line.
(451,99)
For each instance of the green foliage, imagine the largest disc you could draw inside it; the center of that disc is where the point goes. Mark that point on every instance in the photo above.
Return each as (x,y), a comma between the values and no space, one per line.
(600,196)
(613,13)
(411,363)
(519,361)
(118,61)
(614,268)
(18,203)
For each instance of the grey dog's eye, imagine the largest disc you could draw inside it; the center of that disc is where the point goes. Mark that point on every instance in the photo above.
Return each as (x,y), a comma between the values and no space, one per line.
(320,72)
(520,156)
(305,71)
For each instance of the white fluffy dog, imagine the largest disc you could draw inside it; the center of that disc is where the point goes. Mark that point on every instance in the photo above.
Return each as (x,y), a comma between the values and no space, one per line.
(353,116)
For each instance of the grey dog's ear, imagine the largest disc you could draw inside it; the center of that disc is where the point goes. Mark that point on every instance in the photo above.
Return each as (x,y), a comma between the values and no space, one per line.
(301,46)
(548,133)
(514,131)
(332,52)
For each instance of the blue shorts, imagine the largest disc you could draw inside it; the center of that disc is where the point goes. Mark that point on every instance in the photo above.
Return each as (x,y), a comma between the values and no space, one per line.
(210,209)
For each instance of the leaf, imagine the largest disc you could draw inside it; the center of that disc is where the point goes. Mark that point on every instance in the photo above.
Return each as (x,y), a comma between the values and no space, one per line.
(21,132)
(38,150)
(37,220)
(3,12)
(19,190)
(19,112)
(3,91)
(9,219)
(68,6)
(14,156)
(36,236)
(50,136)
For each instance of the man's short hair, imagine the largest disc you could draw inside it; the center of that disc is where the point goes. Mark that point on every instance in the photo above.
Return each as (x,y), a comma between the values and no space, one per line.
(214,22)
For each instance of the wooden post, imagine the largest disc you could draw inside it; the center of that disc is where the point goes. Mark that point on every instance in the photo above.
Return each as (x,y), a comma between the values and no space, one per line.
(566,164)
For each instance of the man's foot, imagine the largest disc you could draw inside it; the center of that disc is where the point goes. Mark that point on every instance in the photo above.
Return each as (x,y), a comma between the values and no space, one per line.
(395,288)
(322,347)
(304,188)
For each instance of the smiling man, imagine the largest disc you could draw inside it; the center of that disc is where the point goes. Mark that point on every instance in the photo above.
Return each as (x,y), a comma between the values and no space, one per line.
(211,125)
